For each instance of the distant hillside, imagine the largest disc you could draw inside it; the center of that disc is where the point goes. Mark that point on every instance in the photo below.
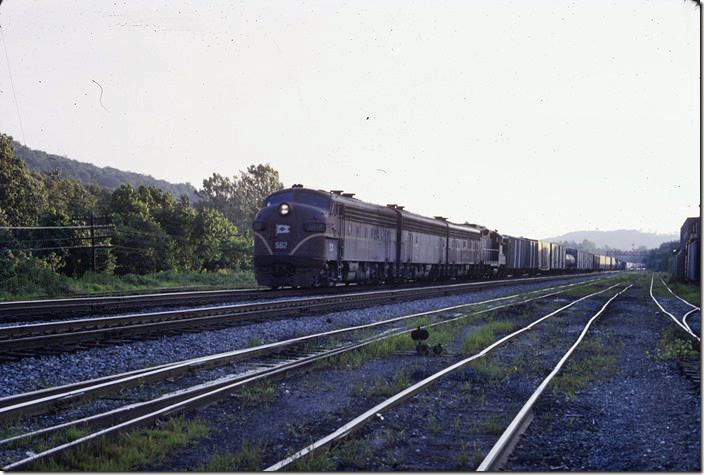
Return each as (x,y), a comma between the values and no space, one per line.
(88,174)
(622,239)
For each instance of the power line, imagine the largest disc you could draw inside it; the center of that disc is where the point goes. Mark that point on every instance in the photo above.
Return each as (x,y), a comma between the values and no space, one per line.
(57,239)
(54,248)
(12,84)
(13,228)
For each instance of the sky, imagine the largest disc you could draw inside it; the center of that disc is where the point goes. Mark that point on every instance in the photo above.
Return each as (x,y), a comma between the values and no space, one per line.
(534,118)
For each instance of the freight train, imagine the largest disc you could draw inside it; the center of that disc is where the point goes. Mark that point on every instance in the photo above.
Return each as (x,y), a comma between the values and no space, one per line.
(310,238)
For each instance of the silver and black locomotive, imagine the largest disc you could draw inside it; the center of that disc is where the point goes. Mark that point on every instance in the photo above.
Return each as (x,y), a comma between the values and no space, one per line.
(305,237)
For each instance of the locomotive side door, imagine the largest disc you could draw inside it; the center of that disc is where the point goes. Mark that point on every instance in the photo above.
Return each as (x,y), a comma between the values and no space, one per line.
(341,241)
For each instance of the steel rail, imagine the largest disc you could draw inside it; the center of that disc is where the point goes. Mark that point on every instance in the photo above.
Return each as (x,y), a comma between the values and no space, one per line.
(684,318)
(216,388)
(37,402)
(409,392)
(683,326)
(503,447)
(670,290)
(106,303)
(43,335)
(205,394)
(121,302)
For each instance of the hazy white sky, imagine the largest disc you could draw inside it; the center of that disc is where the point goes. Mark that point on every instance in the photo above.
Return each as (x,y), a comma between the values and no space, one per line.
(534,118)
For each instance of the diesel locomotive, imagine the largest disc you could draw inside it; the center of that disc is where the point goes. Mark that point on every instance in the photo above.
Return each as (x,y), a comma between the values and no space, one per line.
(309,238)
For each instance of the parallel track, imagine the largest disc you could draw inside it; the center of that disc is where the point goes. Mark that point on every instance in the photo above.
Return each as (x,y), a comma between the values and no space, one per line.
(504,445)
(145,412)
(26,340)
(112,303)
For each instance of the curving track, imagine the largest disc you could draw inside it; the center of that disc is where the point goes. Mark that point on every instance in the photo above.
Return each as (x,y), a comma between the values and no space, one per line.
(300,357)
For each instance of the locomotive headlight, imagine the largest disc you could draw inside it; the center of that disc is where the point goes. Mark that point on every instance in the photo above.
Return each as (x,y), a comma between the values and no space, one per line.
(284,209)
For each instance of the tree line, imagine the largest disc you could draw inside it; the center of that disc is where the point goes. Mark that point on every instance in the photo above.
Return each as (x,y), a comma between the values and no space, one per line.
(140,230)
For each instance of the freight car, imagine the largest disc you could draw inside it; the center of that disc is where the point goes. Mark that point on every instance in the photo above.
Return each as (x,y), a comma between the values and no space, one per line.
(305,237)
(684,263)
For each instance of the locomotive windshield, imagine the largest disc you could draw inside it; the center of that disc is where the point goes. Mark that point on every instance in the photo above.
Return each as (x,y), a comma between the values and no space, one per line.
(305,197)
(286,196)
(313,199)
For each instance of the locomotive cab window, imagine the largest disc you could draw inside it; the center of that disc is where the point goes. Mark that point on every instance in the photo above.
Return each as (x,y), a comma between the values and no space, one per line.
(313,199)
(304,197)
(280,198)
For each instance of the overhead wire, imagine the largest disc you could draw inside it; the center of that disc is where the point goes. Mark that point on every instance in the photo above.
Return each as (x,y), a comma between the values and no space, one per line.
(12,84)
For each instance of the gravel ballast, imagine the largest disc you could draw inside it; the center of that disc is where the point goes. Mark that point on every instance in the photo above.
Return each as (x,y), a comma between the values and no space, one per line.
(34,373)
(641,414)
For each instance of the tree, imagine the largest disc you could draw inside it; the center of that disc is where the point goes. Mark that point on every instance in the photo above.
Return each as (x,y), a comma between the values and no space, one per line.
(178,222)
(250,190)
(239,199)
(22,196)
(218,244)
(66,194)
(659,259)
(218,193)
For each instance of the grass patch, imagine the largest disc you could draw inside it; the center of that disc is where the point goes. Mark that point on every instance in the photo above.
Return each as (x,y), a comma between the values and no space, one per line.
(689,292)
(40,283)
(354,453)
(258,393)
(485,336)
(671,346)
(316,462)
(593,360)
(491,425)
(248,458)
(385,388)
(486,369)
(129,451)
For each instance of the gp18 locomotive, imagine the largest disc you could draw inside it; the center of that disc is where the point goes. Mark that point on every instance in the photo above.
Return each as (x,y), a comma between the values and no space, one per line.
(305,237)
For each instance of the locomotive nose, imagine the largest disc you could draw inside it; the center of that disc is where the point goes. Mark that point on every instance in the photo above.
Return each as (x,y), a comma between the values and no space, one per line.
(289,243)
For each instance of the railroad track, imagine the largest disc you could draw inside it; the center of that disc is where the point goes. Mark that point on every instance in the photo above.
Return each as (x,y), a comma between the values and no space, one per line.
(298,354)
(682,321)
(28,310)
(111,303)
(691,367)
(506,442)
(51,337)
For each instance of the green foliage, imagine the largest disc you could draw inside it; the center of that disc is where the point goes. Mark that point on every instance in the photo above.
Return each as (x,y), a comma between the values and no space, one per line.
(248,458)
(316,462)
(153,232)
(593,360)
(672,347)
(354,452)
(387,388)
(485,336)
(239,199)
(31,278)
(22,195)
(258,393)
(128,451)
(88,174)
(690,292)
(659,259)
(585,245)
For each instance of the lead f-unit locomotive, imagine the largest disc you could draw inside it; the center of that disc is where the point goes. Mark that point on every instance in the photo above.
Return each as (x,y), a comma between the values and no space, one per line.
(305,237)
